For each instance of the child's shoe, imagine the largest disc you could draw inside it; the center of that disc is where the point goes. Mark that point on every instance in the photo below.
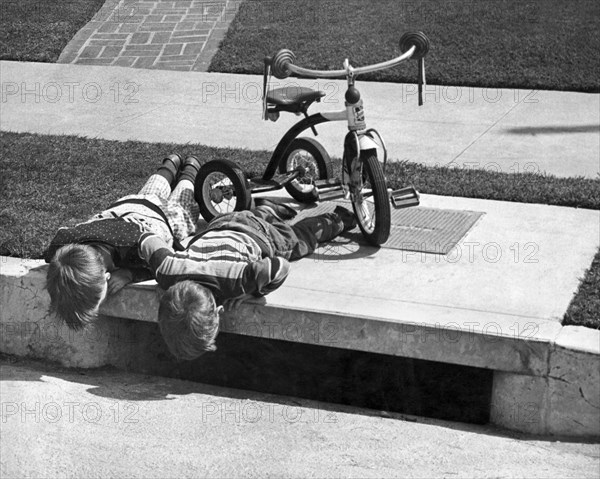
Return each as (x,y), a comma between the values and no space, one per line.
(347,217)
(170,167)
(191,167)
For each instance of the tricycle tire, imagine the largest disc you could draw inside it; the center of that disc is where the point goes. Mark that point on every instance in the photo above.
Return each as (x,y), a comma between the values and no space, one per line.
(375,225)
(310,154)
(221,187)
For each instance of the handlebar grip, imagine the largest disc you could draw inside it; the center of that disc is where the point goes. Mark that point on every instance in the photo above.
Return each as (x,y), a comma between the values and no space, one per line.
(417,39)
(280,62)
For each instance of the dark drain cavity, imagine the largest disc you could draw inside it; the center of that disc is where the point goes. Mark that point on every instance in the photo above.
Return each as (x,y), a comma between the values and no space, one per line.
(375,381)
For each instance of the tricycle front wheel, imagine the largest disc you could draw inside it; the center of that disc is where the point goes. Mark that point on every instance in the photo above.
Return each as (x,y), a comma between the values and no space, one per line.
(220,188)
(310,155)
(371,203)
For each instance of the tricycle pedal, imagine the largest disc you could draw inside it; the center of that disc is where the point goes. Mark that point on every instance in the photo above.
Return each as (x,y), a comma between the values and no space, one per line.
(330,193)
(328,183)
(405,197)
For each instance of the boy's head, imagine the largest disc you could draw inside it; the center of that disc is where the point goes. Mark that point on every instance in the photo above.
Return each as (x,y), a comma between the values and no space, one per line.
(77,284)
(189,320)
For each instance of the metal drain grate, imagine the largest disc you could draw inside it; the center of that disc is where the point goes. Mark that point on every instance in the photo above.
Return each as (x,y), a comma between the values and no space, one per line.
(427,230)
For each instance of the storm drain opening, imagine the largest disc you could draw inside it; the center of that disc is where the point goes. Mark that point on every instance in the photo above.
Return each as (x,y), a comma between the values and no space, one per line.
(367,380)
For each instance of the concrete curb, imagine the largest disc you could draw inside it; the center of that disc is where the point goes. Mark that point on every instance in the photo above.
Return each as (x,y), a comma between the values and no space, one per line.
(554,391)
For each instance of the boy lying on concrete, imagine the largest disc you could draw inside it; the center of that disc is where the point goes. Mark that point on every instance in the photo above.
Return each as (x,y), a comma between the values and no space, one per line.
(240,255)
(99,257)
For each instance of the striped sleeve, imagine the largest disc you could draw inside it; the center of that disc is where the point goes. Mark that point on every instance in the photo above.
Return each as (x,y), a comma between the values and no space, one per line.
(266,275)
(153,250)
(226,278)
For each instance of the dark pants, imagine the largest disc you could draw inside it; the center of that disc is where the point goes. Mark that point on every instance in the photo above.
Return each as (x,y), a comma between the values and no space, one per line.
(278,238)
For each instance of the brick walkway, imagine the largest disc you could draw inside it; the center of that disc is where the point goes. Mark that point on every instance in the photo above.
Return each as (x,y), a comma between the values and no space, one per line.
(162,34)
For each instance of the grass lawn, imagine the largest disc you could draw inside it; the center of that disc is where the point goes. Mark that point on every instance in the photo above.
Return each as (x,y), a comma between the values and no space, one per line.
(47,182)
(52,181)
(541,44)
(38,30)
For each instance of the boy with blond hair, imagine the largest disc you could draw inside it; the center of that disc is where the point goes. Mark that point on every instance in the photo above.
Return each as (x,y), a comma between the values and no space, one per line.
(239,256)
(95,259)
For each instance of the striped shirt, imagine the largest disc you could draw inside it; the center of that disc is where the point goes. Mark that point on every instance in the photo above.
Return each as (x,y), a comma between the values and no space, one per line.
(229,263)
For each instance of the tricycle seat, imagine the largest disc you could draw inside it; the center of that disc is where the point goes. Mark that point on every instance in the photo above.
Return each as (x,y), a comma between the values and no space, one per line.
(295,99)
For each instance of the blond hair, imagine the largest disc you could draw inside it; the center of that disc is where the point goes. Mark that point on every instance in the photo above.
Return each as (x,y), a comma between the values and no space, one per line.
(76,282)
(188,319)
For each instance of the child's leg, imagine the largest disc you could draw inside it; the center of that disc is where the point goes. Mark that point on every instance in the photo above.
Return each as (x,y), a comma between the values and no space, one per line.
(184,191)
(301,239)
(159,183)
(182,209)
(156,185)
(314,230)
(183,194)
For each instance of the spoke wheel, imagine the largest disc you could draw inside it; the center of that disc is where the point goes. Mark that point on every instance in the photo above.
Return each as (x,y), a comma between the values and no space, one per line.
(310,155)
(370,203)
(220,188)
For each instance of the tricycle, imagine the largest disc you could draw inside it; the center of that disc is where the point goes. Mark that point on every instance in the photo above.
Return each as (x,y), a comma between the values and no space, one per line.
(302,166)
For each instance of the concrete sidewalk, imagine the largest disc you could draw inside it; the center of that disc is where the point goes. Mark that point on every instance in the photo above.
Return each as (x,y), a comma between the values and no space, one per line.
(145,426)
(498,130)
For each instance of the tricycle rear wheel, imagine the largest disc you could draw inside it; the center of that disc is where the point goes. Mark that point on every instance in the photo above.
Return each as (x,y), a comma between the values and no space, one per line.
(309,154)
(220,188)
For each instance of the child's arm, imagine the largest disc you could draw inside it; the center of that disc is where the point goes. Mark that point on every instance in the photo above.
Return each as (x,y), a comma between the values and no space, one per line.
(121,277)
(232,304)
(141,274)
(268,274)
(227,279)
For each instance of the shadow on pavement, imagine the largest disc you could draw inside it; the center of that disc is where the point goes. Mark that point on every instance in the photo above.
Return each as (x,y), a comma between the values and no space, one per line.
(111,383)
(553,130)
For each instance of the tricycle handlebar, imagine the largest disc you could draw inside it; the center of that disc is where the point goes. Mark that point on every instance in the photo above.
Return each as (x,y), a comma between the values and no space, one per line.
(356,71)
(413,45)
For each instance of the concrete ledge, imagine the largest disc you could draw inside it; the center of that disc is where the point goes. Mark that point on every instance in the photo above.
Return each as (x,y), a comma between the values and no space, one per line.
(564,400)
(470,342)
(488,312)
(29,330)
(543,384)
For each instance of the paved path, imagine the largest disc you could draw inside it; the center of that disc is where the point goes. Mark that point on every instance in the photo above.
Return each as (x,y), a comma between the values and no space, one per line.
(106,423)
(163,34)
(494,129)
